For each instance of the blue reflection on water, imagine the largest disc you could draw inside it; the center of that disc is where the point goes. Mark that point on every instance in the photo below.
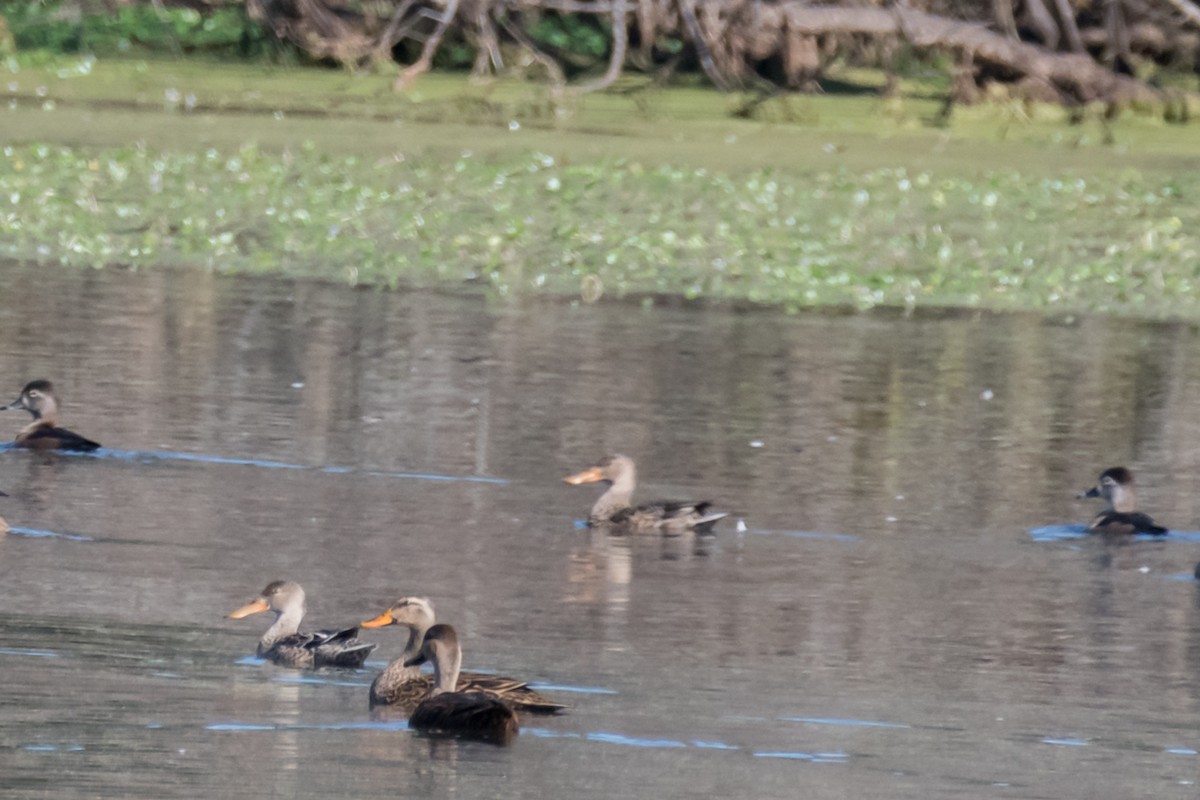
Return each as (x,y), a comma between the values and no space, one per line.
(816,758)
(1066,742)
(635,741)
(391,725)
(559,687)
(323,681)
(30,653)
(855,723)
(43,534)
(151,456)
(1060,533)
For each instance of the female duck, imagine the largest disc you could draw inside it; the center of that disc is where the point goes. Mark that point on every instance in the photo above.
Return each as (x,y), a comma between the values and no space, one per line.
(402,684)
(474,715)
(615,508)
(285,644)
(38,399)
(1121,516)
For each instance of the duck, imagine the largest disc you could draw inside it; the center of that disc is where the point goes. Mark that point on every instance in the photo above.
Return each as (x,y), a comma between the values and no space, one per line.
(615,509)
(39,399)
(401,684)
(448,711)
(1115,485)
(285,644)
(4,527)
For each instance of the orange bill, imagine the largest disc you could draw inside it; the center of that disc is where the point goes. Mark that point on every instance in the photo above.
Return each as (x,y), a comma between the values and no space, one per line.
(253,607)
(590,475)
(383,619)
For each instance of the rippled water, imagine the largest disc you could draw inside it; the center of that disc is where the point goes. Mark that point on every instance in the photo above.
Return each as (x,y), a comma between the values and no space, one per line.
(887,626)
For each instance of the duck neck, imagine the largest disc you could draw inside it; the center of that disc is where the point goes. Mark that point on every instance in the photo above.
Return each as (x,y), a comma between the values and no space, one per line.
(396,673)
(47,412)
(286,623)
(1123,500)
(445,671)
(618,496)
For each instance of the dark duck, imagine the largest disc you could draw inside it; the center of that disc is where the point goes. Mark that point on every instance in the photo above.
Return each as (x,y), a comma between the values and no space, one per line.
(38,399)
(1121,517)
(448,712)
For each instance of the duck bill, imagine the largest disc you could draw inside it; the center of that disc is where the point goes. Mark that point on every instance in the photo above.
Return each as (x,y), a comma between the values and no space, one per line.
(15,405)
(1092,492)
(383,619)
(254,607)
(592,475)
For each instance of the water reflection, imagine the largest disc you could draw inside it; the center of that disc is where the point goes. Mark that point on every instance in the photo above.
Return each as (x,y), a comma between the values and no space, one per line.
(911,553)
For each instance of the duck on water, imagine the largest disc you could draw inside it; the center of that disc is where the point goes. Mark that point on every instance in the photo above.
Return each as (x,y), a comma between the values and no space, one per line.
(284,643)
(615,507)
(449,712)
(404,685)
(1115,485)
(39,399)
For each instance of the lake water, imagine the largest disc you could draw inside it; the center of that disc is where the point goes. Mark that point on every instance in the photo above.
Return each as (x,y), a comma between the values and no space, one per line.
(886,627)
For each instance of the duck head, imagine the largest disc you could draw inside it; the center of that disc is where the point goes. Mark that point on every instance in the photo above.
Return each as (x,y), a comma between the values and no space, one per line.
(38,399)
(278,596)
(611,469)
(1115,485)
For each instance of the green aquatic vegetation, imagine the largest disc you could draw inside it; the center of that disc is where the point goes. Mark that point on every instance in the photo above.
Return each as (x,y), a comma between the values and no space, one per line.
(532,223)
(58,28)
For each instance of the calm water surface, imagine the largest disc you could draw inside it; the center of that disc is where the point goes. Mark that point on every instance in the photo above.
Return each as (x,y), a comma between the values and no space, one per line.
(887,627)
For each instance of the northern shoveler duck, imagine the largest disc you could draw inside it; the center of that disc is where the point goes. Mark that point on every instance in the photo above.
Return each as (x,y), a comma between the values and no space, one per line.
(404,685)
(1121,516)
(615,507)
(285,644)
(449,712)
(38,399)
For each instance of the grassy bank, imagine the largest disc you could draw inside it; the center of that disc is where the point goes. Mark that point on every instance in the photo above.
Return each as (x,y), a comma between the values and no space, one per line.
(828,200)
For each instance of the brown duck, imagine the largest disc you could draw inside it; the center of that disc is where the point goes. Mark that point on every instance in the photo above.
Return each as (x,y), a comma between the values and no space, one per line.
(284,643)
(38,399)
(450,711)
(615,508)
(403,684)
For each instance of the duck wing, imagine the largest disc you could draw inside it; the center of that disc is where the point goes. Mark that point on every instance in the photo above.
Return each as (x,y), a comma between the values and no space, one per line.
(339,648)
(1126,522)
(50,437)
(510,690)
(324,648)
(672,516)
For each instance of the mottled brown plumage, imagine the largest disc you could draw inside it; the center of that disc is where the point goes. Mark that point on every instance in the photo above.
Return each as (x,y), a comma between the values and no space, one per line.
(405,685)
(615,508)
(285,644)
